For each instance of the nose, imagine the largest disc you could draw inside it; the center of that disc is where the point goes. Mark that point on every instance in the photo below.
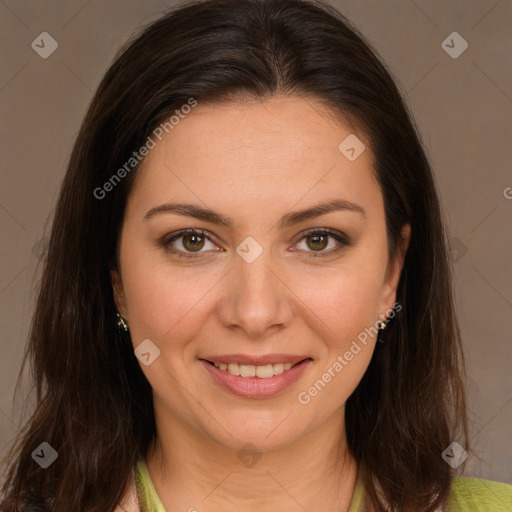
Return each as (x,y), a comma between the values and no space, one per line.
(256,298)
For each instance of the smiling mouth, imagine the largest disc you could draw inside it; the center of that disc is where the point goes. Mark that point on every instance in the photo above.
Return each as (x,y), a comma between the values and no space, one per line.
(248,370)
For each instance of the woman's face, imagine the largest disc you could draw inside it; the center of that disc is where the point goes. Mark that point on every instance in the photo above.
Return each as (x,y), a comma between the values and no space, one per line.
(264,284)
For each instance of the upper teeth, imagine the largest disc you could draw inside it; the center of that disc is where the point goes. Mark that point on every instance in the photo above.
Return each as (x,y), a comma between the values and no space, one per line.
(248,370)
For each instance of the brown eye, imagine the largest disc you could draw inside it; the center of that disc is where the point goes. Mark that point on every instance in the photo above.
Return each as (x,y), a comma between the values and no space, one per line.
(317,242)
(193,242)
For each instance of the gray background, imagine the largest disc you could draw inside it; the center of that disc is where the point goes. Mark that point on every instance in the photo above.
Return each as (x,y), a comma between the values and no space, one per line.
(462,107)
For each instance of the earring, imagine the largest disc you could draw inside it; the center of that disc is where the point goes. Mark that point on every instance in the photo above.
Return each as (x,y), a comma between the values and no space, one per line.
(121,323)
(382,326)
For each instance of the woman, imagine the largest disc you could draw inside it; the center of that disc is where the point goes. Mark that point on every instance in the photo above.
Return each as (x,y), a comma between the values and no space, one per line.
(246,301)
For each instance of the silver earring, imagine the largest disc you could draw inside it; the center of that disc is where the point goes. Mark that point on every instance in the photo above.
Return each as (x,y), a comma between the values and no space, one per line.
(121,323)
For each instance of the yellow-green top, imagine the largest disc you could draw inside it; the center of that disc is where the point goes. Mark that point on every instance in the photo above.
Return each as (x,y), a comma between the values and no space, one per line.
(467,494)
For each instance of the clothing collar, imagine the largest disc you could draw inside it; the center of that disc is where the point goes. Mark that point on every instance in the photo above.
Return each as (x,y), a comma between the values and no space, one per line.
(142,495)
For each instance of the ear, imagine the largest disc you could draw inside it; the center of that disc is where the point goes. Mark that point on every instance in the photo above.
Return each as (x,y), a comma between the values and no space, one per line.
(118,290)
(393,272)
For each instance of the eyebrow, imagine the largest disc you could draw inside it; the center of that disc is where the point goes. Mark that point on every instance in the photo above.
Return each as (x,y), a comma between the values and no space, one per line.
(287,220)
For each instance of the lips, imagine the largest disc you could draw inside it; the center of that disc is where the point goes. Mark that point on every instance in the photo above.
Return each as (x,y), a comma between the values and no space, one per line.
(254,386)
(255,360)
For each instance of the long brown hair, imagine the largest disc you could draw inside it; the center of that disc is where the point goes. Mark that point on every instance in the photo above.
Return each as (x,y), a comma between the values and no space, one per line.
(93,402)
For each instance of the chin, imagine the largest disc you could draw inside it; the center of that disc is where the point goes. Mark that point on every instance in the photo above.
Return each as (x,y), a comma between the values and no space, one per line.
(263,435)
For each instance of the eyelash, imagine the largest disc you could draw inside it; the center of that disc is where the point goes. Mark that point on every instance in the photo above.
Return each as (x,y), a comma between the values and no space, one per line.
(338,236)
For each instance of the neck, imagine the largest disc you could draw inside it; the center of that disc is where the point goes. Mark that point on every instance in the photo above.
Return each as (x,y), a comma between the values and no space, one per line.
(316,472)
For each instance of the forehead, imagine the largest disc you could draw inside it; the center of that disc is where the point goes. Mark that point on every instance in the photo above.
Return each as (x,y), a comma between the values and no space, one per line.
(282,149)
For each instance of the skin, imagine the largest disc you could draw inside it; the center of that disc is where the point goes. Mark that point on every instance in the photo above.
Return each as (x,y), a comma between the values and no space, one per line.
(254,162)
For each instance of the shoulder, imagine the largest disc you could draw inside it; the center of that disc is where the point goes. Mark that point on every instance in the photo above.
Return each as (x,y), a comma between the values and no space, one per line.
(479,495)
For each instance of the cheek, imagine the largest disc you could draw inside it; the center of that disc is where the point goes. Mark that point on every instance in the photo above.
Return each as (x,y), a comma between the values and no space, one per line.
(345,301)
(163,301)
(342,312)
